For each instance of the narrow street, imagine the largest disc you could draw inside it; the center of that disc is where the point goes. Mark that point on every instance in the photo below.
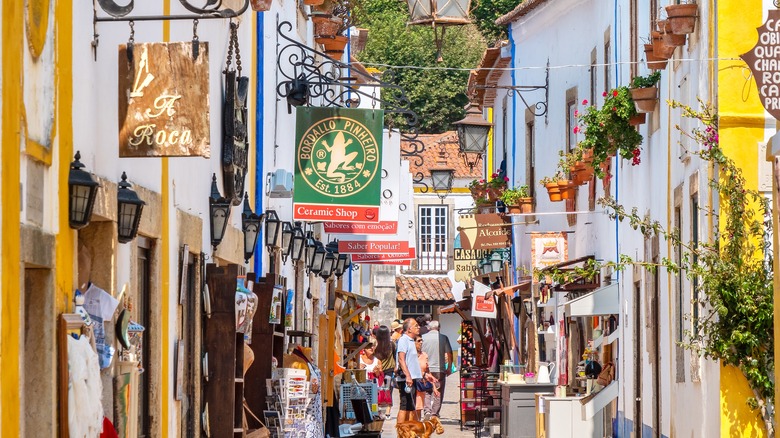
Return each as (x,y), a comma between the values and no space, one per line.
(450,413)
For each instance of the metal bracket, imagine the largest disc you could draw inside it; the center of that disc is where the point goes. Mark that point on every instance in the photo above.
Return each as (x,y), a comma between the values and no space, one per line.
(307,74)
(213,9)
(540,107)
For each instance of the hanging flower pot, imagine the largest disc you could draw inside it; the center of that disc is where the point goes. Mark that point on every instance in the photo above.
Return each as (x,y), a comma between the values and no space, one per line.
(654,62)
(326,27)
(682,18)
(313,2)
(581,173)
(494,193)
(660,49)
(554,192)
(526,205)
(262,5)
(477,192)
(645,99)
(637,119)
(669,38)
(514,209)
(568,189)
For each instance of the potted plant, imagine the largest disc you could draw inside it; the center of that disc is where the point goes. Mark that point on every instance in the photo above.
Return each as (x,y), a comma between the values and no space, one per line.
(478,188)
(607,130)
(555,186)
(654,62)
(496,186)
(331,18)
(682,17)
(660,48)
(517,200)
(669,38)
(485,206)
(644,91)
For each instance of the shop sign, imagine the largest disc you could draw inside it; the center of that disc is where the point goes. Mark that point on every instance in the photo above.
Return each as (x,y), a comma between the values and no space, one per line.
(481,305)
(465,261)
(373,246)
(382,227)
(338,164)
(164,101)
(485,231)
(411,254)
(548,249)
(764,61)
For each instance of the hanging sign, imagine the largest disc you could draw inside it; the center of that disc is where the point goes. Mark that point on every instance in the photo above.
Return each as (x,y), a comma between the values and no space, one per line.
(548,249)
(485,231)
(164,100)
(338,164)
(373,246)
(411,254)
(764,61)
(481,306)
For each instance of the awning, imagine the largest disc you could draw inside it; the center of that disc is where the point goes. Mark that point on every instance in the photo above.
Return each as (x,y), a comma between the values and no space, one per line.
(602,301)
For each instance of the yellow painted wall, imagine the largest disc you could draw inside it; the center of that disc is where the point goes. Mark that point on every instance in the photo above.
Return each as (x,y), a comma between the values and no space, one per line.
(741,129)
(10,303)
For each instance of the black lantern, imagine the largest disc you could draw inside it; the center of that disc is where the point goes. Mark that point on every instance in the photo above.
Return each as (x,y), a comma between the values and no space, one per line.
(287,233)
(342,264)
(328,263)
(129,206)
(250,225)
(272,224)
(528,307)
(310,245)
(517,306)
(82,191)
(219,213)
(441,179)
(298,243)
(472,135)
(317,259)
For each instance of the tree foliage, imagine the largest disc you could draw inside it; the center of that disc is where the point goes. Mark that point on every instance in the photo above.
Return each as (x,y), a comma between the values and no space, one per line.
(436,95)
(486,12)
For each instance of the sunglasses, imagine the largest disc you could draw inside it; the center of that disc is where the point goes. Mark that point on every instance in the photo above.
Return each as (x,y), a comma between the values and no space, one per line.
(419,341)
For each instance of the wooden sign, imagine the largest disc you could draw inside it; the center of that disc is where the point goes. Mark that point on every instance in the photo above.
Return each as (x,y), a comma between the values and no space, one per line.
(485,231)
(764,61)
(164,101)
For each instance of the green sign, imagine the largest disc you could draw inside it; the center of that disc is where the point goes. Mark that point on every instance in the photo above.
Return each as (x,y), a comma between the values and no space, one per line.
(338,164)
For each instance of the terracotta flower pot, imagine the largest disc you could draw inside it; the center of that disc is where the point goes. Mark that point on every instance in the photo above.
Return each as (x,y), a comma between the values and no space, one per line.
(526,205)
(645,99)
(513,209)
(494,193)
(554,192)
(671,39)
(327,27)
(587,156)
(581,173)
(682,18)
(654,62)
(660,49)
(568,189)
(313,2)
(262,5)
(638,119)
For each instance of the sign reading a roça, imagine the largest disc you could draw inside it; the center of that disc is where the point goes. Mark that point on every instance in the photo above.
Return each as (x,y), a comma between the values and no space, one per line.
(164,100)
(338,164)
(764,61)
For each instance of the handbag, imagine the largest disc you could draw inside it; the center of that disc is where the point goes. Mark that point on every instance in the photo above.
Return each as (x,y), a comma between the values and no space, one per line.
(423,385)
(385,397)
(606,375)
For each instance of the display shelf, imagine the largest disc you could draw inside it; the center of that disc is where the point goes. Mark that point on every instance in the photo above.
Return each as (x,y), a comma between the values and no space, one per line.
(598,342)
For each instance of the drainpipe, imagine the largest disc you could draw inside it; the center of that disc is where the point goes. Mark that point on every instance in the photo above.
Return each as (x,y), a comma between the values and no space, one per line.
(616,167)
(514,173)
(259,108)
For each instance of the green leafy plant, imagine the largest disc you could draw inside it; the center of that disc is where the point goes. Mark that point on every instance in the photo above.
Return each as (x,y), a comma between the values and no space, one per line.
(497,181)
(553,179)
(733,270)
(607,129)
(512,196)
(648,81)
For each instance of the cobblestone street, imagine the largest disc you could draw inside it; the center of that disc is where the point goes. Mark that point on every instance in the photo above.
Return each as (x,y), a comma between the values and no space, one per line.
(450,413)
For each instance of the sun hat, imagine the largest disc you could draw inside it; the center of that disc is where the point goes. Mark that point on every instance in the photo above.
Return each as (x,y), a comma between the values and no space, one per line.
(395,325)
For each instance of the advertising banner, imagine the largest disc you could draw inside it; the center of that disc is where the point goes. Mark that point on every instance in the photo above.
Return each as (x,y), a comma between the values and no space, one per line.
(164,101)
(762,61)
(338,164)
(481,306)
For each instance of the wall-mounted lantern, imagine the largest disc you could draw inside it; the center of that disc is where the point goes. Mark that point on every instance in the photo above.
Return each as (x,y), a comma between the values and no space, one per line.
(129,206)
(82,191)
(219,213)
(286,245)
(250,225)
(441,180)
(473,133)
(272,225)
(318,257)
(298,243)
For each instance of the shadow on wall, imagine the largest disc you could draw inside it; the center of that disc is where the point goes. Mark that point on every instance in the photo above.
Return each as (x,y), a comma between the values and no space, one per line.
(736,417)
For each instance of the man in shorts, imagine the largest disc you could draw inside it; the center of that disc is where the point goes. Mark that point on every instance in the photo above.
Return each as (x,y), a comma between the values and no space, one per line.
(409,368)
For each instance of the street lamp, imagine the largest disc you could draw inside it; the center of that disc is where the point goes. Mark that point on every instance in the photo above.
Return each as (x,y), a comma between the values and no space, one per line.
(439,15)
(82,191)
(473,133)
(219,213)
(298,243)
(287,233)
(528,307)
(497,260)
(250,225)
(272,224)
(517,306)
(328,264)
(441,179)
(309,247)
(342,264)
(317,258)
(485,267)
(129,206)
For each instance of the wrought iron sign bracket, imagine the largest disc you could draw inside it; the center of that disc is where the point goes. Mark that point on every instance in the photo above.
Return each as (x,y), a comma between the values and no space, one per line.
(213,9)
(306,74)
(539,108)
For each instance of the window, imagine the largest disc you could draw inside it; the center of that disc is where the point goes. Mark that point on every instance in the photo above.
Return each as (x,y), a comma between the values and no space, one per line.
(593,77)
(695,260)
(607,66)
(679,275)
(530,169)
(143,313)
(571,121)
(188,334)
(415,310)
(433,238)
(633,37)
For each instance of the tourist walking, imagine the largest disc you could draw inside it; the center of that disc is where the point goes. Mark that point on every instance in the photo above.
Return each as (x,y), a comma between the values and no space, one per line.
(408,371)
(397,327)
(439,351)
(422,393)
(385,352)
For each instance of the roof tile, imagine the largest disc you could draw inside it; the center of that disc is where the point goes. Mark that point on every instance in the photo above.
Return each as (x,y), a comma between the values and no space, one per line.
(411,288)
(441,151)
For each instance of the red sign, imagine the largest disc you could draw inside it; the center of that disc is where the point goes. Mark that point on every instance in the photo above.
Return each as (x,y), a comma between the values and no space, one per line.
(763,62)
(406,263)
(355,213)
(383,227)
(367,258)
(484,304)
(372,247)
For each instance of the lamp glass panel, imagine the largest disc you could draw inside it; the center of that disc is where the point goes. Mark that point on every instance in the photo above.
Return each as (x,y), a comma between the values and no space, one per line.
(79,201)
(286,238)
(127,213)
(327,265)
(317,260)
(297,245)
(219,219)
(250,238)
(473,138)
(496,265)
(442,180)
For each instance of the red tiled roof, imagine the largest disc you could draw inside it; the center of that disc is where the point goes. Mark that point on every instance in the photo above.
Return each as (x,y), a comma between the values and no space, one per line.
(432,158)
(519,10)
(487,74)
(427,289)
